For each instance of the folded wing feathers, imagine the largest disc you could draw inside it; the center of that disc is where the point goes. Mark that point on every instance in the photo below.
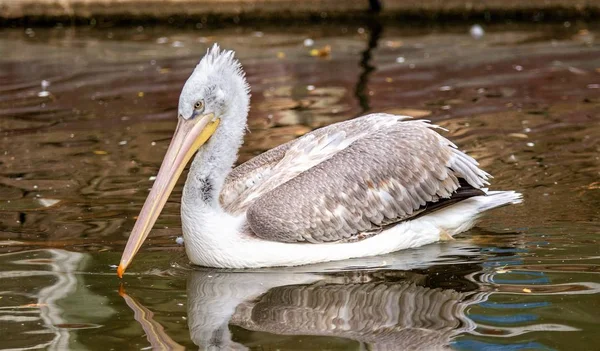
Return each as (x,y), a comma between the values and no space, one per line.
(355,181)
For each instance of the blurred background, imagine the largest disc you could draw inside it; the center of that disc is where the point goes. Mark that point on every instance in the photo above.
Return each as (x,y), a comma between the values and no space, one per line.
(88,99)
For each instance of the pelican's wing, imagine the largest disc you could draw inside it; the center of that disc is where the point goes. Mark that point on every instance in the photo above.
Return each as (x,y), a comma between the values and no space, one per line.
(355,178)
(251,173)
(257,175)
(272,168)
(395,316)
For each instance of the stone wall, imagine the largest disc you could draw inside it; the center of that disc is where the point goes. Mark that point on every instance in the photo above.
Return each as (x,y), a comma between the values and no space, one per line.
(237,10)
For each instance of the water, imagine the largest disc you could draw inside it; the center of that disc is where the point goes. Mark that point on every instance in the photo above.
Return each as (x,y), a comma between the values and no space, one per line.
(86,116)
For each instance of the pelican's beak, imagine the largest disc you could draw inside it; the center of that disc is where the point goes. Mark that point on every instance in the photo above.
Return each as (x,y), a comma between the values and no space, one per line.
(189,136)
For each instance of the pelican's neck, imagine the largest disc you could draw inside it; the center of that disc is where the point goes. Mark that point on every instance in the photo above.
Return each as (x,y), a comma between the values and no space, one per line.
(213,162)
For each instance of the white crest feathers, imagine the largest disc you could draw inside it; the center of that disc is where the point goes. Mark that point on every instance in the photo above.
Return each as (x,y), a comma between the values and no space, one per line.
(222,61)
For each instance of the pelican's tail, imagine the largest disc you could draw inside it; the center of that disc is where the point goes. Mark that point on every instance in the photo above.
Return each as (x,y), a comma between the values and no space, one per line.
(495,199)
(462,216)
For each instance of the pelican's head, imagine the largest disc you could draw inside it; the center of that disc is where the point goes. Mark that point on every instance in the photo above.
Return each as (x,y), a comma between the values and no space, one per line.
(216,86)
(215,97)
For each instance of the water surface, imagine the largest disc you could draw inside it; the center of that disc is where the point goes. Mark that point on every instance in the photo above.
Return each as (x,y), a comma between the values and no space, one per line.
(86,116)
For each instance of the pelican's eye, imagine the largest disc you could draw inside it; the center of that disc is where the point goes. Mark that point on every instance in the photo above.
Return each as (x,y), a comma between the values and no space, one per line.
(199,105)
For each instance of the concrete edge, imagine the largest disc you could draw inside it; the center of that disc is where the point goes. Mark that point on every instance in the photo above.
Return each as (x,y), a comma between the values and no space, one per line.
(289,10)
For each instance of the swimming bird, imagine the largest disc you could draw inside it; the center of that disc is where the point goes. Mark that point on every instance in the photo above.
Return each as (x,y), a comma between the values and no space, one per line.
(363,187)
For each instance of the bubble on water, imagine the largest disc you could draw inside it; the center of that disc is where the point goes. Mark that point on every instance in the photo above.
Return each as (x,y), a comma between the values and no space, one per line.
(309,42)
(123,142)
(530,144)
(43,93)
(179,240)
(476,31)
(151,178)
(310,87)
(45,84)
(446,88)
(400,59)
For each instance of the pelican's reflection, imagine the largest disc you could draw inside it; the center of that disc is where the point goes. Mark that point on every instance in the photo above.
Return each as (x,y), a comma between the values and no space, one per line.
(377,311)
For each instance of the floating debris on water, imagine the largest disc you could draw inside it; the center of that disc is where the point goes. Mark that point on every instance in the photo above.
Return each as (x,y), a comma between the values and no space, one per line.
(530,144)
(44,84)
(416,113)
(47,202)
(394,44)
(322,52)
(400,59)
(518,135)
(309,42)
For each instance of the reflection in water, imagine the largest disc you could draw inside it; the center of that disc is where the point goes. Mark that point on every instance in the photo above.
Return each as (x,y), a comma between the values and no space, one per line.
(378,314)
(377,310)
(48,313)
(414,308)
(155,333)
(75,167)
(361,91)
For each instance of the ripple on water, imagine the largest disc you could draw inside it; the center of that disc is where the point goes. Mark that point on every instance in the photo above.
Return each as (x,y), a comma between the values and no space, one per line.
(76,163)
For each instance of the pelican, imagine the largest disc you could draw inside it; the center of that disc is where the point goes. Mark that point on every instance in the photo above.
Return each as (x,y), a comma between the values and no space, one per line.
(364,187)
